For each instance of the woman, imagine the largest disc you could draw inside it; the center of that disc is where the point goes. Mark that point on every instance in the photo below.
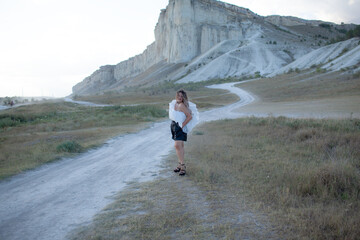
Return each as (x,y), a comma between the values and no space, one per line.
(184,116)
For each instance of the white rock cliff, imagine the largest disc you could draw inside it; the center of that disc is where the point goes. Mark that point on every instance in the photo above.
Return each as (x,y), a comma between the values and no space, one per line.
(197,40)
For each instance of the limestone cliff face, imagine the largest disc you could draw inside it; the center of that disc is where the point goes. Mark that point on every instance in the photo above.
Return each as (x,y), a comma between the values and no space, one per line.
(197,40)
(185,29)
(188,28)
(99,80)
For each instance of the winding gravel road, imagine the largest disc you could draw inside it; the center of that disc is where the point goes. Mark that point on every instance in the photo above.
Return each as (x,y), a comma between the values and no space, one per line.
(49,202)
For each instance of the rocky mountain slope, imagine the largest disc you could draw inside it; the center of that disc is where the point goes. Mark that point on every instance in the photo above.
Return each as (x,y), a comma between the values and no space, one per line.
(334,57)
(197,40)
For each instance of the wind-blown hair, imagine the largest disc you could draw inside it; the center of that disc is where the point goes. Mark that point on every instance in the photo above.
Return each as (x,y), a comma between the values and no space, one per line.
(185,98)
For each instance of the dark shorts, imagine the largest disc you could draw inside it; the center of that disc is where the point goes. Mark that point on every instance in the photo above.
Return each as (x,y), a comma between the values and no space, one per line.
(177,132)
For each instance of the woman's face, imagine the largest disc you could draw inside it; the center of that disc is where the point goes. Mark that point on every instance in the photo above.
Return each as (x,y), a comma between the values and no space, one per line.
(179,98)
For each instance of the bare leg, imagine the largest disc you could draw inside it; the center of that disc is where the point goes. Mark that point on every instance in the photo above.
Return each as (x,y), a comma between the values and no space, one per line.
(180,152)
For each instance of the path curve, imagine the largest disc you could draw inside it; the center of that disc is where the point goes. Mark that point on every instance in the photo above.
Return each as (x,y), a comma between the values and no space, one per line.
(49,202)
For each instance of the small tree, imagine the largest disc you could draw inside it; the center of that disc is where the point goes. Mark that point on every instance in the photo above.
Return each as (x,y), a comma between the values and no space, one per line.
(356,31)
(7,101)
(350,34)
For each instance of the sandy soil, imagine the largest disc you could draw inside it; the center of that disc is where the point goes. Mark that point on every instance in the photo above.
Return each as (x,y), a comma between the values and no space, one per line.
(52,200)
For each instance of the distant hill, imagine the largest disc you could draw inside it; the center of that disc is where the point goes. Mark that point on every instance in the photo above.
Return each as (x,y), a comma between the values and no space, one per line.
(198,40)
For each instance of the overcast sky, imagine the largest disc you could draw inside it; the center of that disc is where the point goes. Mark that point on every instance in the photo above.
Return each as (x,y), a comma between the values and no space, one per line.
(47,46)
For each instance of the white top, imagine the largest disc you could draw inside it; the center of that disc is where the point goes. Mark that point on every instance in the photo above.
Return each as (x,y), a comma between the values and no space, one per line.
(180,117)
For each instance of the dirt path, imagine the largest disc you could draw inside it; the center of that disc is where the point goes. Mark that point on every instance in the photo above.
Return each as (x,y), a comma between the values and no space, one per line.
(3,107)
(50,201)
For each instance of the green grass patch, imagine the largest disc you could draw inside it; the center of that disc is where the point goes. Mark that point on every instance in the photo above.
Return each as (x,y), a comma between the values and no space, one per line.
(147,111)
(69,146)
(66,114)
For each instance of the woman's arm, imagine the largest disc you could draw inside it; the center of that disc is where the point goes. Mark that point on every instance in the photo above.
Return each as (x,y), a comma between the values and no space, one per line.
(187,113)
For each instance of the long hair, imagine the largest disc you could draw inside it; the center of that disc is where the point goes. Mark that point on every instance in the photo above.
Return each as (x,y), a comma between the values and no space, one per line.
(185,98)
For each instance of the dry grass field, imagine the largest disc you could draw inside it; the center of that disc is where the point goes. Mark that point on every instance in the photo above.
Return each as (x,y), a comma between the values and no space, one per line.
(32,135)
(306,85)
(306,94)
(304,173)
(255,178)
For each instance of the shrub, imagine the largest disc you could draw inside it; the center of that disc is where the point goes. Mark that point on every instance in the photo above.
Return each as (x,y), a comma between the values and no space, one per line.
(356,31)
(69,146)
(320,70)
(343,31)
(324,25)
(343,51)
(7,122)
(335,180)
